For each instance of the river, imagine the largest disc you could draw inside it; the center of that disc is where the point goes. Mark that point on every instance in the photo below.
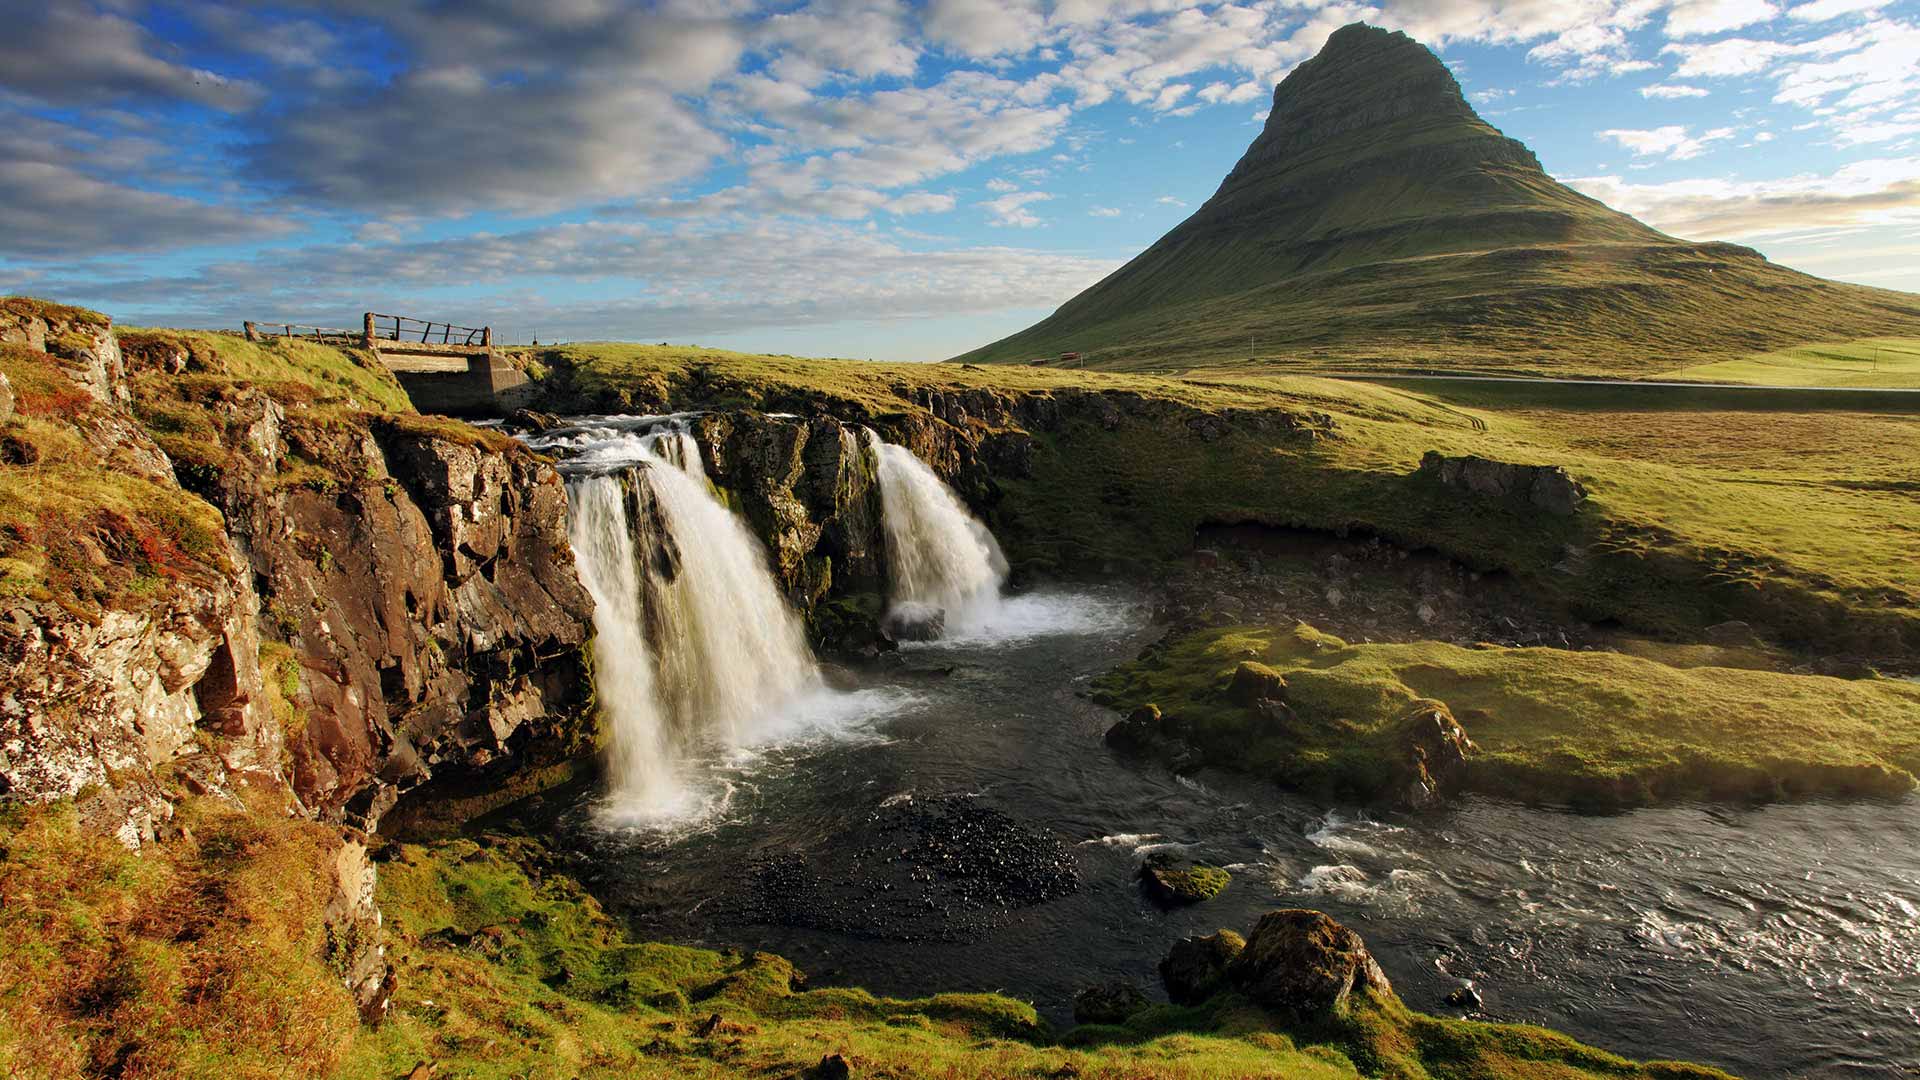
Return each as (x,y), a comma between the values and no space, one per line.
(1774,941)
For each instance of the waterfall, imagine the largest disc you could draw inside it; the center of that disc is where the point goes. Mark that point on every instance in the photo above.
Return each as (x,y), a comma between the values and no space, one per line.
(600,529)
(946,569)
(694,645)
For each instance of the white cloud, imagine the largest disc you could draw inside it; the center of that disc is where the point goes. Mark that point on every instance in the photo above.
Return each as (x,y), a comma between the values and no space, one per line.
(997,184)
(1672,141)
(65,54)
(921,202)
(1671,91)
(984,29)
(1011,210)
(1696,18)
(1104,211)
(1876,192)
(683,280)
(1169,200)
(1825,10)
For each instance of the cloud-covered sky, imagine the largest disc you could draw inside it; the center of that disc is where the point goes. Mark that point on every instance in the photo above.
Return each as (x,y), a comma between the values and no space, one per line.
(848,177)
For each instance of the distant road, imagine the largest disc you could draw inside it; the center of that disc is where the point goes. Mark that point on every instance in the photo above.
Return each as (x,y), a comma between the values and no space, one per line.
(1634,383)
(1648,394)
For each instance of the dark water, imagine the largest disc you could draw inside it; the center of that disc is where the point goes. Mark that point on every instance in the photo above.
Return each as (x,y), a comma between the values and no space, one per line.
(1778,941)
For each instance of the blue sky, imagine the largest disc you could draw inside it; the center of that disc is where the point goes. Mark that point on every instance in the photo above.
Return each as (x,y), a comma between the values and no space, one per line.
(849,177)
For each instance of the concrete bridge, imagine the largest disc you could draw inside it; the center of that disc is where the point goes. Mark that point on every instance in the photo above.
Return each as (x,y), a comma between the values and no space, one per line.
(444,368)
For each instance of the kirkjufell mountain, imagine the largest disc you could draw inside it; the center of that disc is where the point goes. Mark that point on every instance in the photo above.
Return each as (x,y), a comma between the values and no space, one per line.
(1377,220)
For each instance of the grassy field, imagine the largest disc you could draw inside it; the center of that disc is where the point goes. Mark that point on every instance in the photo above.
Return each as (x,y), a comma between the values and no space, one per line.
(1550,724)
(206,957)
(1874,362)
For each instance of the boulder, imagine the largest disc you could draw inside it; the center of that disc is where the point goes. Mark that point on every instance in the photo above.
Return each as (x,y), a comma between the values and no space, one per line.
(1108,1003)
(1302,962)
(531,421)
(1253,682)
(1196,967)
(1465,997)
(1170,882)
(1437,751)
(1138,732)
(914,622)
(1544,487)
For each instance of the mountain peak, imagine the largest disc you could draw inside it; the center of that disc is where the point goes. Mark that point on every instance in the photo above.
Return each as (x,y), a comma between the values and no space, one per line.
(1366,78)
(1377,211)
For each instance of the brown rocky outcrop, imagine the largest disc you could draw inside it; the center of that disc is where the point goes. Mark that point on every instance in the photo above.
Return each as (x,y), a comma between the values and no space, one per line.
(137,651)
(1543,487)
(407,583)
(807,487)
(1303,963)
(423,586)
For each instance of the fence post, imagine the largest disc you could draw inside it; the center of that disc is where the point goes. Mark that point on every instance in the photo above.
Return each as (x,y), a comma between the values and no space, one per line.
(252,331)
(366,330)
(486,336)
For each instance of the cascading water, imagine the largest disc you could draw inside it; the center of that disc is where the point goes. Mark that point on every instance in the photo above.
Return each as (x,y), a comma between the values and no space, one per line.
(695,648)
(946,569)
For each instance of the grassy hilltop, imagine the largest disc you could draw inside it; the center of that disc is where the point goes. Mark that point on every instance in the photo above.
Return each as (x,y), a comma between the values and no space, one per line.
(1378,222)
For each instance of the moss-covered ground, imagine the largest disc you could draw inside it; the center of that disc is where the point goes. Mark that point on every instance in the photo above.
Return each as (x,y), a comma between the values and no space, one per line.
(1548,724)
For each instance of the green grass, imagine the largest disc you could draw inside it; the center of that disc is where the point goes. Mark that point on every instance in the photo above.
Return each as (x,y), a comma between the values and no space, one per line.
(200,958)
(1872,362)
(300,372)
(80,530)
(1587,727)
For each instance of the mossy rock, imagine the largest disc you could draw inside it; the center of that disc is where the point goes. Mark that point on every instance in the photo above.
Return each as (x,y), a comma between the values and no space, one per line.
(1170,883)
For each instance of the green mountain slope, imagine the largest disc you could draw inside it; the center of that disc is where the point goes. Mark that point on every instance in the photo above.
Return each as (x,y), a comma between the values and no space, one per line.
(1379,221)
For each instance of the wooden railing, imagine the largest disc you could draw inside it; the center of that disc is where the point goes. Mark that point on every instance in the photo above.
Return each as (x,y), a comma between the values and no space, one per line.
(259,331)
(379,327)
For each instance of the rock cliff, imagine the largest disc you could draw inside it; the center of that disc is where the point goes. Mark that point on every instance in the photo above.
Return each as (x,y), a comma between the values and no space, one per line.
(303,595)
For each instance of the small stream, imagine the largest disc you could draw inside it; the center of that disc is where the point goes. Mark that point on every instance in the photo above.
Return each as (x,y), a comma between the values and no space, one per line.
(1775,941)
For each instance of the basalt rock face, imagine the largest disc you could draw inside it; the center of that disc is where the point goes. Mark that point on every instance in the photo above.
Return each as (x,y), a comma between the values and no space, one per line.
(423,590)
(326,604)
(808,489)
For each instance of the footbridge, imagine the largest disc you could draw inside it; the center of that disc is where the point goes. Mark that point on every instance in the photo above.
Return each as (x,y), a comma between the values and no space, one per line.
(444,367)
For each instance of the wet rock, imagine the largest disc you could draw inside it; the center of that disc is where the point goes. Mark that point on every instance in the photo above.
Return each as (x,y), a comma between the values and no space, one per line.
(914,622)
(1302,962)
(1437,753)
(1140,731)
(1544,487)
(1108,1003)
(531,422)
(1465,997)
(1196,968)
(939,868)
(1170,881)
